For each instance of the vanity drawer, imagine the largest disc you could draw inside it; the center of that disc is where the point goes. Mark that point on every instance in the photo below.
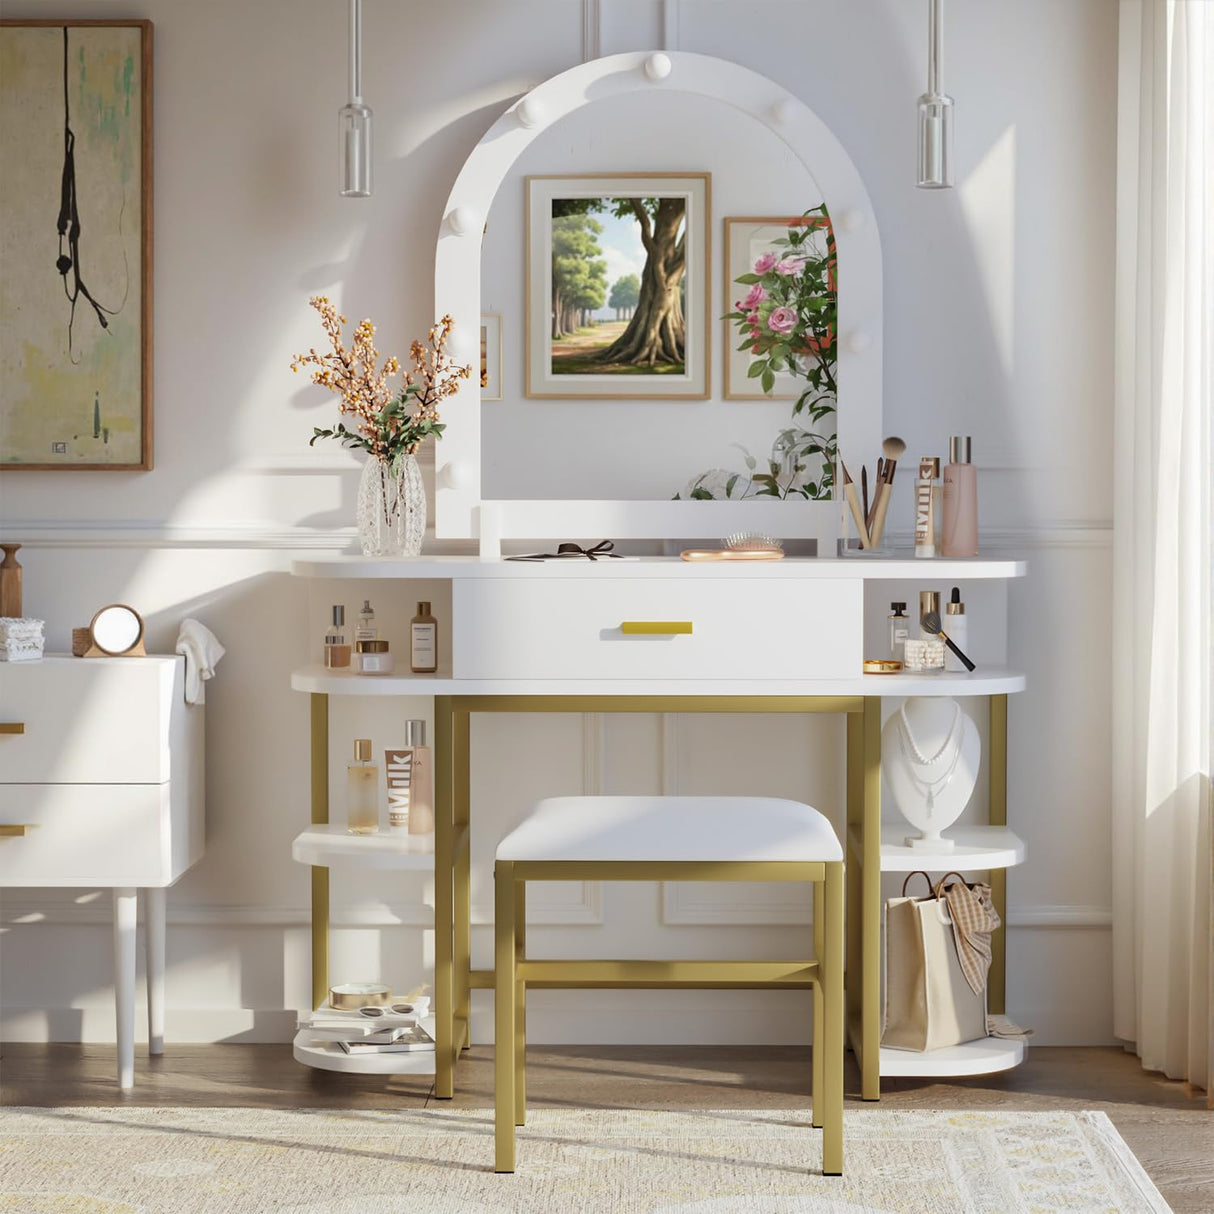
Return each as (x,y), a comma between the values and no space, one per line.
(739,628)
(85,834)
(88,721)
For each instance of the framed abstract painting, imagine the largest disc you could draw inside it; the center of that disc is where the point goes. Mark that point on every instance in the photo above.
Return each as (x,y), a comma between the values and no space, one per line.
(76,245)
(617,286)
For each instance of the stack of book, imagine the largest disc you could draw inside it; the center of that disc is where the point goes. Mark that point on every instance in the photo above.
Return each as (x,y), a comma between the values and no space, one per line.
(355,1033)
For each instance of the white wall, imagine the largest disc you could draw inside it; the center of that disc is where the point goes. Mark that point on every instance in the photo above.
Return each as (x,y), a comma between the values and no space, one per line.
(998,324)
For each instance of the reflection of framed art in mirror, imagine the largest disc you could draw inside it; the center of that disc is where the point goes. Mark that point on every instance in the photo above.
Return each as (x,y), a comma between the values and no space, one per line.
(491,356)
(589,238)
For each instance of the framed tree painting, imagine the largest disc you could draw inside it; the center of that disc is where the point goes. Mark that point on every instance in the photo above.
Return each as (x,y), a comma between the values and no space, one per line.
(76,245)
(617,286)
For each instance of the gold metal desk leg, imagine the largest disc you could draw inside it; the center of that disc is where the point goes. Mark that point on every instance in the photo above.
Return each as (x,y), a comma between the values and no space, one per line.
(520,1006)
(320,875)
(819,1012)
(444,901)
(503,1016)
(832,999)
(997,799)
(462,777)
(870,904)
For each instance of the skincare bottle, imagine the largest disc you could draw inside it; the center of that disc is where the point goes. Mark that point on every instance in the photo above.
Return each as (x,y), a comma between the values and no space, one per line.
(362,791)
(926,506)
(337,644)
(960,522)
(899,630)
(398,770)
(366,630)
(421,791)
(957,628)
(929,600)
(423,641)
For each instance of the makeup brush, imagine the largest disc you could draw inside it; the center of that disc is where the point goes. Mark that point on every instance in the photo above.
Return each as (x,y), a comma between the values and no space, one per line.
(864,492)
(893,448)
(870,511)
(931,623)
(849,492)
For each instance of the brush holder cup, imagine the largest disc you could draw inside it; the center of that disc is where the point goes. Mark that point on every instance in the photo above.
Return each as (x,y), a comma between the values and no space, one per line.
(855,539)
(930,753)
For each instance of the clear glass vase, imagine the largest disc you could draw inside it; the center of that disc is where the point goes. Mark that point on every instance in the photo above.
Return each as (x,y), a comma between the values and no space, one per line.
(391,507)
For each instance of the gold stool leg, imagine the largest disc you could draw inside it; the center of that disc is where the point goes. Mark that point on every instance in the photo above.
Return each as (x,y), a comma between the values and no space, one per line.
(503,1014)
(520,1006)
(832,999)
(818,1014)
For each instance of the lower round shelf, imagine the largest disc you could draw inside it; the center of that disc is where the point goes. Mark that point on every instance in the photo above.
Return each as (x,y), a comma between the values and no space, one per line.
(329,1056)
(982,1057)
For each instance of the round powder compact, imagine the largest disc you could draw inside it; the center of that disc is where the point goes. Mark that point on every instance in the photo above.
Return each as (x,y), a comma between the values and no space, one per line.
(882,666)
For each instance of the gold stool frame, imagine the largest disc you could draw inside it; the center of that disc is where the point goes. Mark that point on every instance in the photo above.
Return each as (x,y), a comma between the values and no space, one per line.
(513,970)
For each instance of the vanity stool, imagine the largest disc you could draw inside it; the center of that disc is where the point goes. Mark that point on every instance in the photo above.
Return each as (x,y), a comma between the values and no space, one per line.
(605,838)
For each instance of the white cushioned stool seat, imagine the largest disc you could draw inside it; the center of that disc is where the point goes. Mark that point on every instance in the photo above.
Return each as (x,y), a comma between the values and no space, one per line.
(672,829)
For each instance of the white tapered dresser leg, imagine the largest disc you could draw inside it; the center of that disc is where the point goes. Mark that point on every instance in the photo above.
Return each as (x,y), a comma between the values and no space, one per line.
(153,934)
(125,917)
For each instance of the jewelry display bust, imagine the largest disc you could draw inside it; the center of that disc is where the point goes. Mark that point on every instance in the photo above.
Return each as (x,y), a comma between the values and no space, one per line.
(931,752)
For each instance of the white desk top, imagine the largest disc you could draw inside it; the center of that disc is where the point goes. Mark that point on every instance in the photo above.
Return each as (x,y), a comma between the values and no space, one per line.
(445,567)
(983,682)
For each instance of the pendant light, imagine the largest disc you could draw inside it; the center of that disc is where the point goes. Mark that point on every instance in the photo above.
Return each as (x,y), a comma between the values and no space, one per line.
(935,112)
(355,119)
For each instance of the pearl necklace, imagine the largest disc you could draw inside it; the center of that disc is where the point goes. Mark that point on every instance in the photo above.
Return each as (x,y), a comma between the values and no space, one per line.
(915,757)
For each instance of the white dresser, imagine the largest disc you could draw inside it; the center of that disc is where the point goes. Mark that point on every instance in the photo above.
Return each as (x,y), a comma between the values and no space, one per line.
(101,784)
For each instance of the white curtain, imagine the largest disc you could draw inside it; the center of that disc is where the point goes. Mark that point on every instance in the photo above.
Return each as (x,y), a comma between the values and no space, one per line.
(1163,561)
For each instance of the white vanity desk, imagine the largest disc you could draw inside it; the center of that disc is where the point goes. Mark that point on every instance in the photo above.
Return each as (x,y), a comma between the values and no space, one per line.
(663,635)
(101,784)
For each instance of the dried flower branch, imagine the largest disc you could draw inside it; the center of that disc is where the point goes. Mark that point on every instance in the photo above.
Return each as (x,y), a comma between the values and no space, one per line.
(389,424)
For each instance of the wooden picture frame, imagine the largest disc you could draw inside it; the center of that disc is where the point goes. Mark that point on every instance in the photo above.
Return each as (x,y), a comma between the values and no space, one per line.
(692,380)
(744,235)
(77,323)
(491,356)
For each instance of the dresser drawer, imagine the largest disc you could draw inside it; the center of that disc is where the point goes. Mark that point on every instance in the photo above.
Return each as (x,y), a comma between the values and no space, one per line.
(85,834)
(594,627)
(88,721)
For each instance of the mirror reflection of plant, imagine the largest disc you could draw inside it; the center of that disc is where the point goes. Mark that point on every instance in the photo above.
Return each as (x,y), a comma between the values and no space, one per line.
(389,425)
(788,320)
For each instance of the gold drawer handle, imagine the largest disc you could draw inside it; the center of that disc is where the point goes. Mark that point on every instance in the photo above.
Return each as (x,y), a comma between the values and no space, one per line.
(12,727)
(660,628)
(14,830)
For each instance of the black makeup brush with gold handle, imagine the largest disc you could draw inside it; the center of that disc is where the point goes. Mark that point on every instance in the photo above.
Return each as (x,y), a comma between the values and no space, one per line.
(931,623)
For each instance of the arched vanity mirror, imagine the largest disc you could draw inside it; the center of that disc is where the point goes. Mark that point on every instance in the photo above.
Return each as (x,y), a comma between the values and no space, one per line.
(615,383)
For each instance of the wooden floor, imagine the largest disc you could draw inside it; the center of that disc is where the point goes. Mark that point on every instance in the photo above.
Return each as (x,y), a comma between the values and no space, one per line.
(1165,1124)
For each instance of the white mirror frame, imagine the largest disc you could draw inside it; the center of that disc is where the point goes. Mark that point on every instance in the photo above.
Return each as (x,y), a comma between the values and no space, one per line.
(460,512)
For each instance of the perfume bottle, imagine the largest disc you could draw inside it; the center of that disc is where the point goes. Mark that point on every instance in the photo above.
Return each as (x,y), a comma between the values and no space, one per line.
(423,641)
(362,791)
(337,644)
(960,513)
(899,630)
(366,630)
(421,784)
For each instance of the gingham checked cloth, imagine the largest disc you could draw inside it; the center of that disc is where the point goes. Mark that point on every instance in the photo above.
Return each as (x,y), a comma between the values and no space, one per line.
(974,918)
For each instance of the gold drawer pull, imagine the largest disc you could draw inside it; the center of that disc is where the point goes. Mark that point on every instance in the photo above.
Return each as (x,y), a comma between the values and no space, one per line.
(12,727)
(661,628)
(13,830)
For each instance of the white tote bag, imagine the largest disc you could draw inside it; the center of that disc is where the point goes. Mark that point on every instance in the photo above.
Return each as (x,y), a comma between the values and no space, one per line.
(929,1003)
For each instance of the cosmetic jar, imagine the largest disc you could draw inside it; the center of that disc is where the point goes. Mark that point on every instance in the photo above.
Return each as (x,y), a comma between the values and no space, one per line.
(923,655)
(372,657)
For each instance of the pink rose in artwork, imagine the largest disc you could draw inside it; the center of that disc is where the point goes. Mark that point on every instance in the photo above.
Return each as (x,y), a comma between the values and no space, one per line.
(790,266)
(752,319)
(755,296)
(765,261)
(782,320)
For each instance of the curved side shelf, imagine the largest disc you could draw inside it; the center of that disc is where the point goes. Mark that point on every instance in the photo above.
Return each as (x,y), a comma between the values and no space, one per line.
(329,1056)
(330,845)
(974,847)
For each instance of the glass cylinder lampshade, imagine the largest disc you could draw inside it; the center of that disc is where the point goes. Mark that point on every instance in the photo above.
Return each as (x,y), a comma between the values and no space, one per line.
(935,141)
(355,150)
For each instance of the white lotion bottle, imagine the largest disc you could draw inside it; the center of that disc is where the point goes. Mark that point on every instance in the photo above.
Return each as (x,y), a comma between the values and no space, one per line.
(955,624)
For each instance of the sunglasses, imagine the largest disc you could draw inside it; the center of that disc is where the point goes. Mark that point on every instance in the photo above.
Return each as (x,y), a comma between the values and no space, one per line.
(401,1009)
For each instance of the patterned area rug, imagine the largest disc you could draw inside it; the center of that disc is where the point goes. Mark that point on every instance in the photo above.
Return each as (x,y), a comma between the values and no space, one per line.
(128,1161)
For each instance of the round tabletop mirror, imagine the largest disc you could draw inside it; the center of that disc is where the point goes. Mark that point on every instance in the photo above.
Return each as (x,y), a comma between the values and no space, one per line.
(117,630)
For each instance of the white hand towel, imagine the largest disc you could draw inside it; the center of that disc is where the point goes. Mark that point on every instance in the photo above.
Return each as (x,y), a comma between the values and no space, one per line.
(202,653)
